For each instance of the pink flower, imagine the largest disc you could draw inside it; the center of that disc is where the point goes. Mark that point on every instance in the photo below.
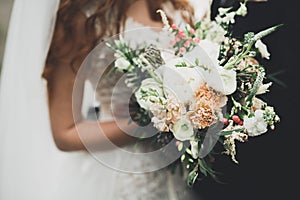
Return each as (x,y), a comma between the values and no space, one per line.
(183,35)
(177,38)
(196,40)
(174,27)
(182,50)
(187,43)
(192,31)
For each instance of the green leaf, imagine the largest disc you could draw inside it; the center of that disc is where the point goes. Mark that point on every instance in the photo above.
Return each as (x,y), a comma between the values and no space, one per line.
(256,85)
(197,25)
(188,151)
(224,133)
(180,146)
(203,171)
(273,78)
(192,177)
(266,32)
(182,158)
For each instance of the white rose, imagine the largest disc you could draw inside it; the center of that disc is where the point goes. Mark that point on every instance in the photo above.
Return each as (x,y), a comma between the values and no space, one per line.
(206,53)
(122,64)
(180,82)
(183,130)
(220,79)
(212,49)
(262,48)
(256,125)
(148,93)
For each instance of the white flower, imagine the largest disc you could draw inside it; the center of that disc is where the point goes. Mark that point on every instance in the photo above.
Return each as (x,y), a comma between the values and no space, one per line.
(206,53)
(257,104)
(149,92)
(160,124)
(194,149)
(122,64)
(227,19)
(180,82)
(223,11)
(264,88)
(183,130)
(262,48)
(212,50)
(230,143)
(213,31)
(220,79)
(228,78)
(256,125)
(242,11)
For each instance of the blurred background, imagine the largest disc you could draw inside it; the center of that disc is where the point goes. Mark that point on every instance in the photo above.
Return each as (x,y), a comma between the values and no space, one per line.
(5,10)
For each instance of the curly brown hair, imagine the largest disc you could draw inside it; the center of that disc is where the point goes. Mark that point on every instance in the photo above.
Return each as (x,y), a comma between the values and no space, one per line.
(77,32)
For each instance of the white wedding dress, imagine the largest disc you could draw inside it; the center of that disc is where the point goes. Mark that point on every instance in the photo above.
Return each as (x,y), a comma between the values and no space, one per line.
(31,167)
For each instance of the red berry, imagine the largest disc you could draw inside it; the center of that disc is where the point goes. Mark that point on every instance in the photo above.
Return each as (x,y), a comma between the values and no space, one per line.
(225,121)
(241,123)
(236,119)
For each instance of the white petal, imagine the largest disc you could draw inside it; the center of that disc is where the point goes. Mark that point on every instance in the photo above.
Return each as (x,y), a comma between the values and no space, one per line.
(259,114)
(262,48)
(206,52)
(262,127)
(122,64)
(220,79)
(183,130)
(229,81)
(181,82)
(263,88)
(194,149)
(147,84)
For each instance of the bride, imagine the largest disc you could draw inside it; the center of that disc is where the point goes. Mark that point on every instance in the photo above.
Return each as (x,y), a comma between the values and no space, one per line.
(43,141)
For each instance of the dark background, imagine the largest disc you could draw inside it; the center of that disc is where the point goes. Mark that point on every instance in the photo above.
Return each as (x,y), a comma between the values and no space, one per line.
(267,166)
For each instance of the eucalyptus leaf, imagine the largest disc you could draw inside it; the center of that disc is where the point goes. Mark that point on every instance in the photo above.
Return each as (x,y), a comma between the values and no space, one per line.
(182,157)
(192,177)
(225,133)
(266,32)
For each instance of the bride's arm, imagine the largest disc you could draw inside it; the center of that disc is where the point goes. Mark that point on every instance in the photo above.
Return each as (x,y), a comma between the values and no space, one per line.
(64,128)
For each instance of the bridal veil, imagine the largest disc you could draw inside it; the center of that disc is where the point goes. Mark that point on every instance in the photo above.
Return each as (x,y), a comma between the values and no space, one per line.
(28,155)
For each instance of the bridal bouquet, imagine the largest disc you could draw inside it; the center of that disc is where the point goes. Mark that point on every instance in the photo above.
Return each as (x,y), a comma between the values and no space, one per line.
(205,91)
